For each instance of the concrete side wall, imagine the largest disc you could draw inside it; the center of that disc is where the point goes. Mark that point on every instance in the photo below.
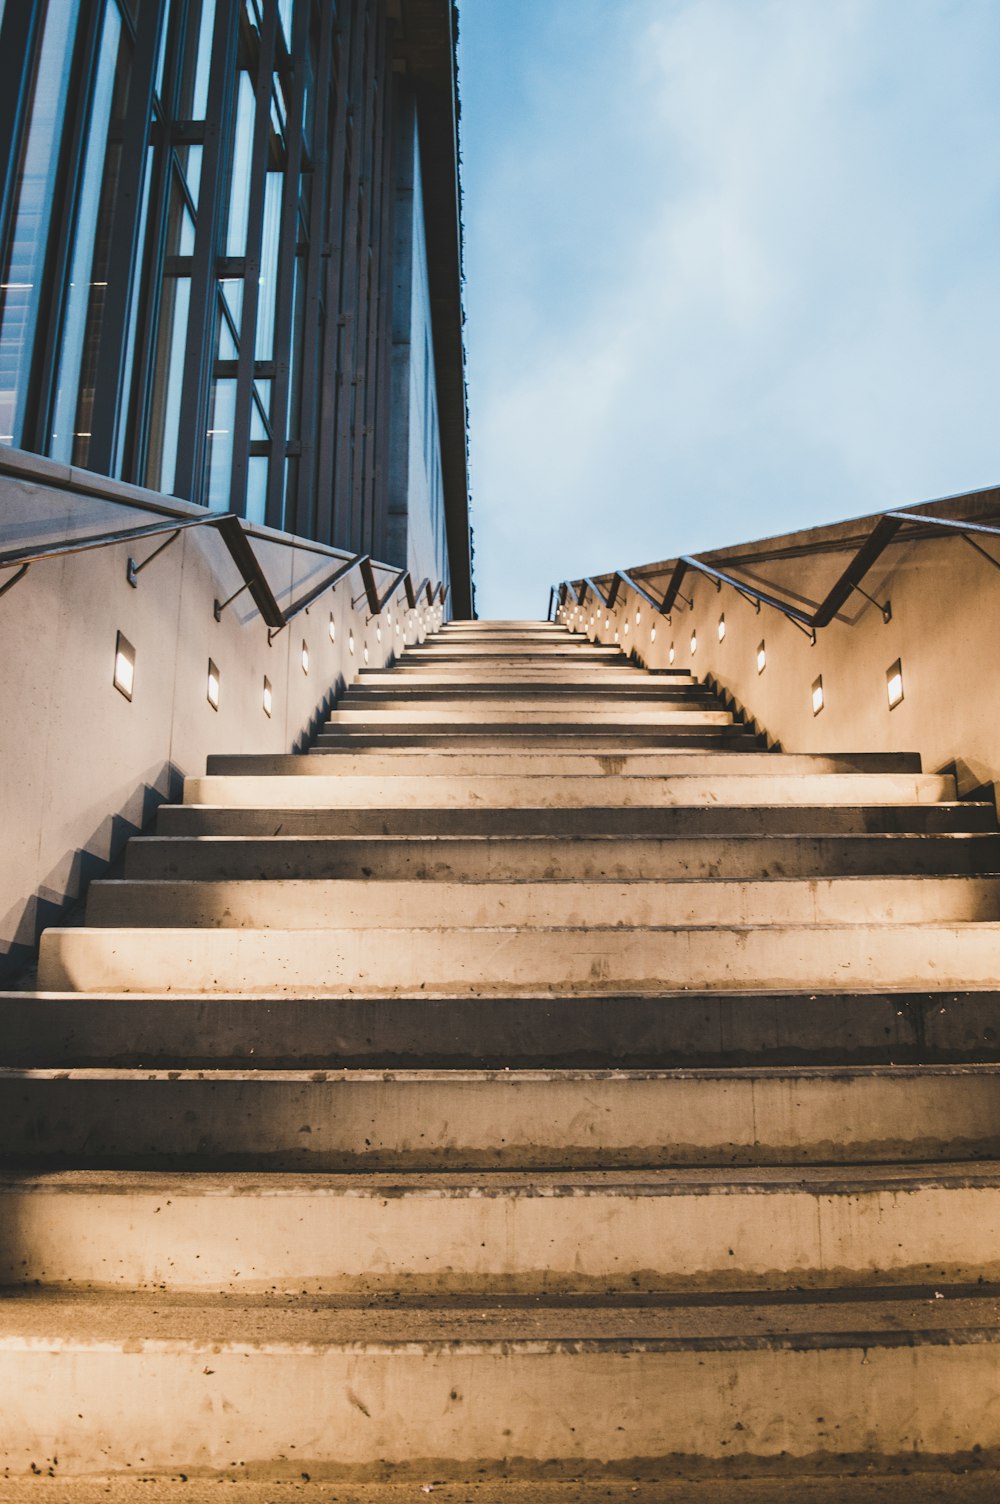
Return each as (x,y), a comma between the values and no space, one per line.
(82,767)
(417,521)
(944,630)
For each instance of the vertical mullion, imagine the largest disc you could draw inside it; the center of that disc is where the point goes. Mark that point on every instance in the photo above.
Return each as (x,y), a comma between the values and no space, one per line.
(383,333)
(18,38)
(201,311)
(305,500)
(351,489)
(71,146)
(349,272)
(251,272)
(329,390)
(364,301)
(372,364)
(287,239)
(110,406)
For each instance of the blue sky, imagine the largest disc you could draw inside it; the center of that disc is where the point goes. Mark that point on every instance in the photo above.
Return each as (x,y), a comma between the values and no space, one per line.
(733,267)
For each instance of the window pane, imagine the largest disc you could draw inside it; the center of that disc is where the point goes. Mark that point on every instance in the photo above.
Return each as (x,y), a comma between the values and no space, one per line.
(285,17)
(193,97)
(268,265)
(166,413)
(70,438)
(23,264)
(220,443)
(256,488)
(133,321)
(239,202)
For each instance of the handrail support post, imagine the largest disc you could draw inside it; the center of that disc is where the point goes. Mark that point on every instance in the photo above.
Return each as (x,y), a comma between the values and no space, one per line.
(134,570)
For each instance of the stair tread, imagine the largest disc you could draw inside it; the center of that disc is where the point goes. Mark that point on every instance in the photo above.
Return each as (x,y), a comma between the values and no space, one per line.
(730,1180)
(67,1321)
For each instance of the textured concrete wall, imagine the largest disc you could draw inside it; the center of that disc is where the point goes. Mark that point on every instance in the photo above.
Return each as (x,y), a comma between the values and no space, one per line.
(82,767)
(945,630)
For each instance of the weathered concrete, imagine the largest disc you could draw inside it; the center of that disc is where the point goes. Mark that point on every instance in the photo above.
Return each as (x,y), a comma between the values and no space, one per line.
(516,1097)
(543,1233)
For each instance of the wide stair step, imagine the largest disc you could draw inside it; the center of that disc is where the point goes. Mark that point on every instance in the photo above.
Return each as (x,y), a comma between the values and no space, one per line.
(539,1080)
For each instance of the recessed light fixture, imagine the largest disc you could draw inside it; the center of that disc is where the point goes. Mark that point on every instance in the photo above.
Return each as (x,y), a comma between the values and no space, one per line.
(124,674)
(212,689)
(722,628)
(305,656)
(694,642)
(266,701)
(761,657)
(894,683)
(818,700)
(333,628)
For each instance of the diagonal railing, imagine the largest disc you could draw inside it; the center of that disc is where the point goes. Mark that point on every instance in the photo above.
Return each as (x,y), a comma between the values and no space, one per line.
(236,537)
(882,534)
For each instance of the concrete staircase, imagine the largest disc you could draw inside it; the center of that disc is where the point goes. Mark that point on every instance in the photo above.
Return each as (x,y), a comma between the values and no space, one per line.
(538,1078)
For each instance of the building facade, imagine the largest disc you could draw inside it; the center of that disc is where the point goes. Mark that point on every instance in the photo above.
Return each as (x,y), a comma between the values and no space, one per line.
(230,287)
(231,259)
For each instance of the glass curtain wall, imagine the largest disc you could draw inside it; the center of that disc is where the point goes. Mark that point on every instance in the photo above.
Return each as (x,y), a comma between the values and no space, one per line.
(195,246)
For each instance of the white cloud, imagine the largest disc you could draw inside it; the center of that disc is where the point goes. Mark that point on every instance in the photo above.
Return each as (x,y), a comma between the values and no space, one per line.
(732,268)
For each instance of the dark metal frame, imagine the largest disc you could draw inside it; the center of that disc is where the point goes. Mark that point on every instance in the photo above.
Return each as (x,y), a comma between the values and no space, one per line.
(346,176)
(234,533)
(882,534)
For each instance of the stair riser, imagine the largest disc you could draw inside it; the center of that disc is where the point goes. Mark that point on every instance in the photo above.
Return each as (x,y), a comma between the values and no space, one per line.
(485,962)
(599,738)
(359,904)
(536,857)
(535,760)
(614,1031)
(452,1410)
(640,820)
(507,1122)
(290,1239)
(512,714)
(441,792)
(382,697)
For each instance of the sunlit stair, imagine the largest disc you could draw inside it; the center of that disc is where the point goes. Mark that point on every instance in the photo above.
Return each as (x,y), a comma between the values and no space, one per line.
(537,1079)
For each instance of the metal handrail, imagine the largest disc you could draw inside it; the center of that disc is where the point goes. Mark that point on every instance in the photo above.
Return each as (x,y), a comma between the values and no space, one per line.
(236,538)
(881,535)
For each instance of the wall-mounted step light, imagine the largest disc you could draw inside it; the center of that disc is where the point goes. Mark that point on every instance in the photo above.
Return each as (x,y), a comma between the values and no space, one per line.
(652,634)
(378,634)
(638,617)
(267,700)
(672,654)
(894,683)
(305,656)
(761,657)
(694,642)
(607,624)
(124,675)
(350,642)
(333,628)
(212,690)
(365,653)
(818,700)
(626,628)
(722,628)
